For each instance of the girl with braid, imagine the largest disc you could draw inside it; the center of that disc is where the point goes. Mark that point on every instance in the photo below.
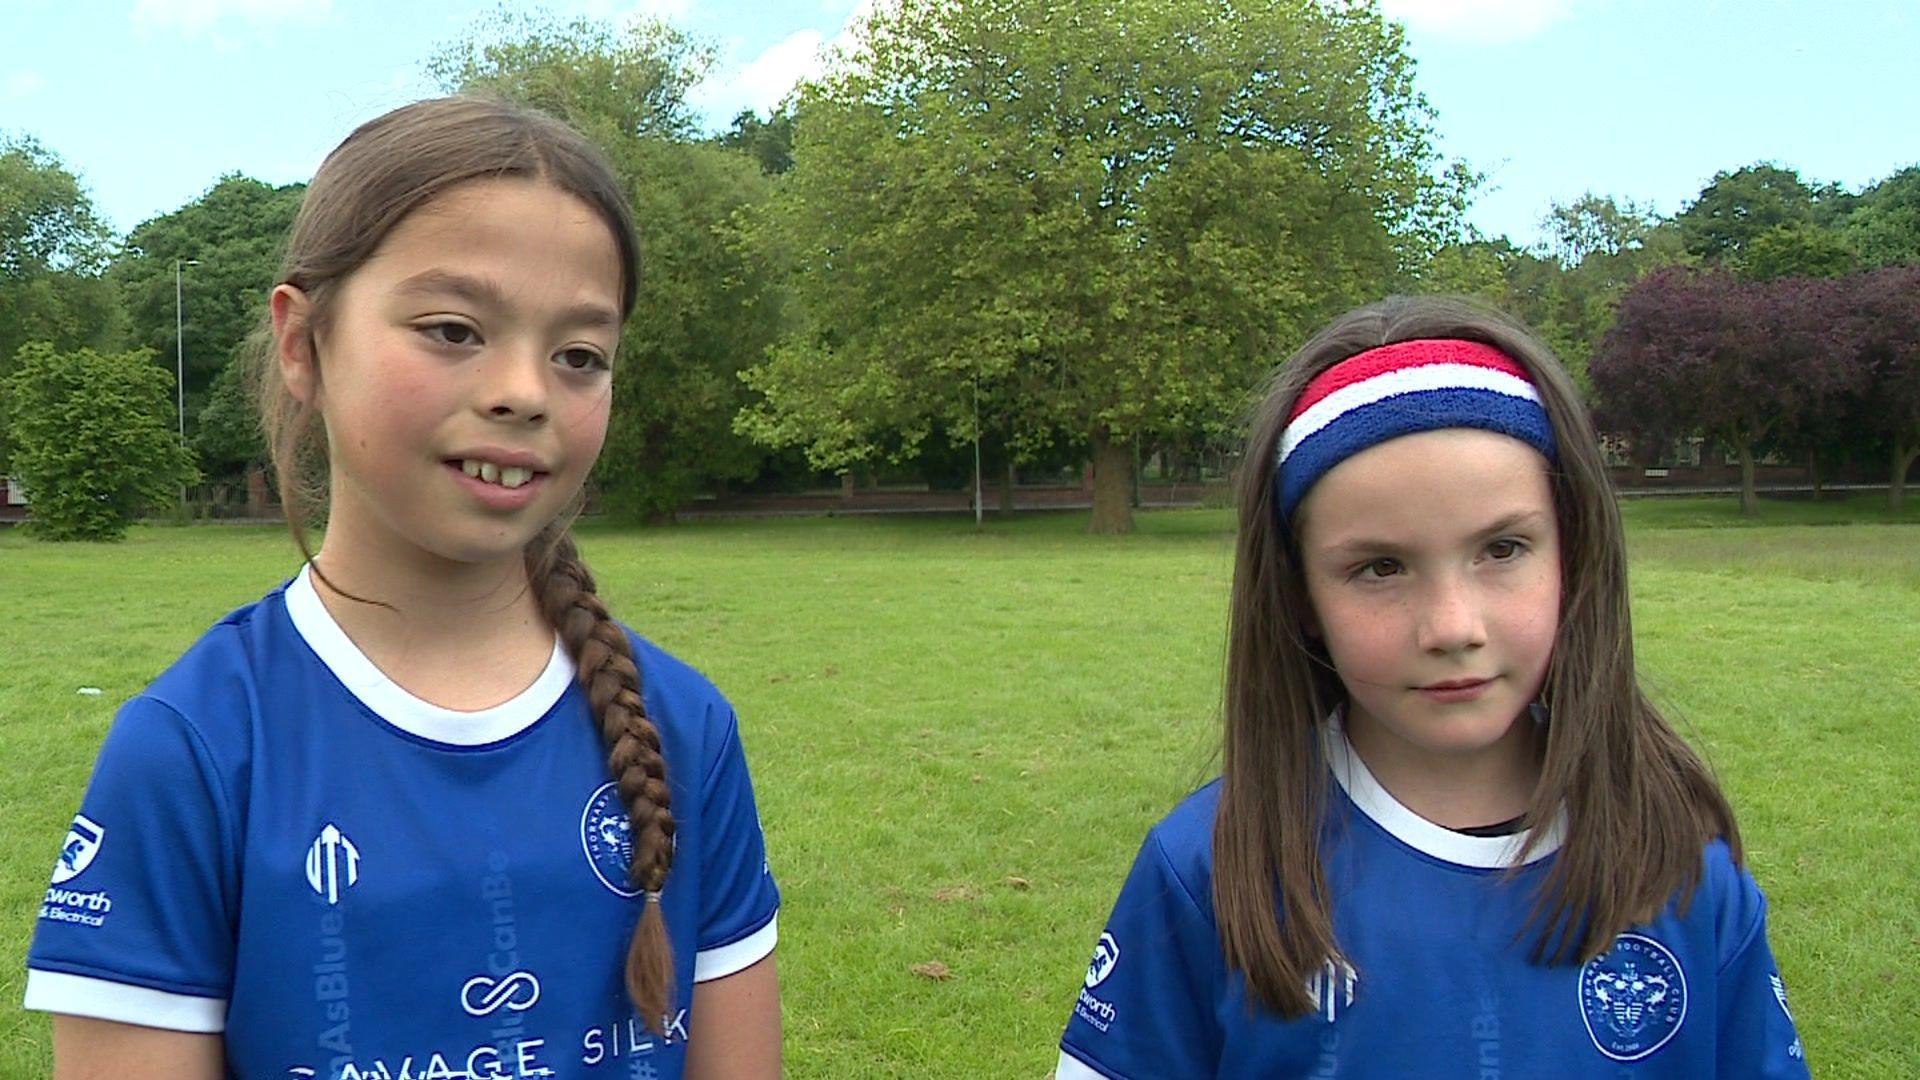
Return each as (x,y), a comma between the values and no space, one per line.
(426,810)
(1452,837)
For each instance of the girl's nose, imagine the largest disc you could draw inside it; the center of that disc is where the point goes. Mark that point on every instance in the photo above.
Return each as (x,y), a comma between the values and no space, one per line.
(513,386)
(1451,620)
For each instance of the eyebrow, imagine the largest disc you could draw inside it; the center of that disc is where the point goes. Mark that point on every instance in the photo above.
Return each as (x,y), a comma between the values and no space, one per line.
(489,294)
(1363,545)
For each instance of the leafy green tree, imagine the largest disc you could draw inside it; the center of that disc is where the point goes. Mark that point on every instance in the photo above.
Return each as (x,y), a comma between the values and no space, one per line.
(236,231)
(1737,207)
(1568,291)
(92,438)
(227,437)
(1475,267)
(1798,250)
(704,310)
(1884,224)
(53,250)
(769,141)
(1095,222)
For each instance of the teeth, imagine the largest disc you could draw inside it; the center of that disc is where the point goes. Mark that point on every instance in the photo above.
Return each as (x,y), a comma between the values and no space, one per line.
(508,476)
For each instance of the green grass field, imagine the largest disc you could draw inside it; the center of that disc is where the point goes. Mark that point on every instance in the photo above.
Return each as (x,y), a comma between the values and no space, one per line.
(958,740)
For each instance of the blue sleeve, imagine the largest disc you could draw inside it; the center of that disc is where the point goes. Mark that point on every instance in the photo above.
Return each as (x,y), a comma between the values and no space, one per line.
(1145,1010)
(137,923)
(738,899)
(1757,1036)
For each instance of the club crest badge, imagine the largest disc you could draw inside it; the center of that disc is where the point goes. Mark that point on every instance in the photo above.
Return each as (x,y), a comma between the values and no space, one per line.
(77,851)
(1633,997)
(606,835)
(1105,955)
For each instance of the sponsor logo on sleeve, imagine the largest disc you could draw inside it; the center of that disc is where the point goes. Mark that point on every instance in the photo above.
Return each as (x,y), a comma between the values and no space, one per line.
(75,906)
(606,835)
(83,841)
(1105,955)
(1096,1012)
(1633,997)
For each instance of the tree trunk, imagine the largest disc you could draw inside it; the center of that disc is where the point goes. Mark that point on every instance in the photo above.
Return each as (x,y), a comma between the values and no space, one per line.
(1904,454)
(1112,486)
(1006,490)
(1813,470)
(1749,499)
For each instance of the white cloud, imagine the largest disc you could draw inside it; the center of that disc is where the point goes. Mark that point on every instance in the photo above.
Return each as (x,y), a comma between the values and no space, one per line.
(199,16)
(1481,22)
(22,84)
(774,73)
(761,83)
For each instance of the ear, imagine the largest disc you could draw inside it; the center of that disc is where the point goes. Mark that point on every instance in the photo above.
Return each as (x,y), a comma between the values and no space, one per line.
(293,347)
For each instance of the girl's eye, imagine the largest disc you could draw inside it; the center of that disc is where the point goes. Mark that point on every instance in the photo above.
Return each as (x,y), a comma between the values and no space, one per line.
(1378,568)
(583,360)
(451,333)
(1503,550)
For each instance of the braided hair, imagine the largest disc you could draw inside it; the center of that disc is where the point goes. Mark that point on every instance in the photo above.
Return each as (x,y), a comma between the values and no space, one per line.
(564,588)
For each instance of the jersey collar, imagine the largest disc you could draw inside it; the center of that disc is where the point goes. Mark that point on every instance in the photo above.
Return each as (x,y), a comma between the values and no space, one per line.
(413,715)
(1378,804)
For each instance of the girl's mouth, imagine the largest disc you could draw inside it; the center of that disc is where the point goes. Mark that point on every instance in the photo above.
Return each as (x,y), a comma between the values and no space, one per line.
(1452,691)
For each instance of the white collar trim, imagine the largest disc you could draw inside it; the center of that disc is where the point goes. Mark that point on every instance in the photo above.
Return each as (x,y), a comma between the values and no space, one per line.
(1375,801)
(414,715)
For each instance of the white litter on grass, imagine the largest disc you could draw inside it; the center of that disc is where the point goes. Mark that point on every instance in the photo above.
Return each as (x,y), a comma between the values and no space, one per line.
(90,691)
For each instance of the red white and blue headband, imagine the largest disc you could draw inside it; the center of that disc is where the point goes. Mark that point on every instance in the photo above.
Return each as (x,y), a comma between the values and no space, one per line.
(1409,386)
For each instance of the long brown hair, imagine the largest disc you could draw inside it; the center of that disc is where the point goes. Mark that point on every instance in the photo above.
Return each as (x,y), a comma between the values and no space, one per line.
(385,170)
(1639,804)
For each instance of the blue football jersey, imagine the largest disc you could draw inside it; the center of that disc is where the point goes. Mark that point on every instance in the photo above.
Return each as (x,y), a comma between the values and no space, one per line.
(281,844)
(1435,978)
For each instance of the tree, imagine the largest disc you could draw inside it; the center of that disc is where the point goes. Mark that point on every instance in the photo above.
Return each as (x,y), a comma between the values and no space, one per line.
(1798,250)
(1736,207)
(769,141)
(1885,325)
(704,309)
(1884,224)
(53,248)
(1737,361)
(1099,222)
(92,438)
(1475,267)
(236,231)
(227,438)
(1597,226)
(1568,288)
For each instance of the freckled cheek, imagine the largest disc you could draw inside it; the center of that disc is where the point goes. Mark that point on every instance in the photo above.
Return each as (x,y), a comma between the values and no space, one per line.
(1365,643)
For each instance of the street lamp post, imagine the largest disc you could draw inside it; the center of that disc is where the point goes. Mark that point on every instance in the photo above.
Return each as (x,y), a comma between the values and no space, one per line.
(180,348)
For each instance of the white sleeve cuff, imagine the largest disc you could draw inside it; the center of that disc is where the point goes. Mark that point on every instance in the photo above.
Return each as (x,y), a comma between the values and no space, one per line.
(1072,1068)
(724,960)
(103,999)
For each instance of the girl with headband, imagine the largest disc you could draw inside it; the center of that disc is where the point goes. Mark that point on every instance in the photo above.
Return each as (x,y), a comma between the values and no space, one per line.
(1452,836)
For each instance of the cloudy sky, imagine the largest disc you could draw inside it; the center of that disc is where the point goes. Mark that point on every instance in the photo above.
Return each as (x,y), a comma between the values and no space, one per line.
(149,101)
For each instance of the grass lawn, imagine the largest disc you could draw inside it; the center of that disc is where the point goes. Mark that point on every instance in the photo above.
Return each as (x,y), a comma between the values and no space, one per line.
(960,738)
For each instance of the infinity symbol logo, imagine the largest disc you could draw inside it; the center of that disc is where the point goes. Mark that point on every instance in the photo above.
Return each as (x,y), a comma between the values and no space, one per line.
(481,995)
